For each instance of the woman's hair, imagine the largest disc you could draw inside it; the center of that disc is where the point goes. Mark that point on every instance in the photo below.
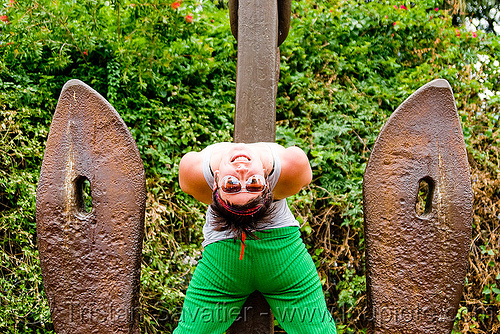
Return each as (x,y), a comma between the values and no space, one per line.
(245,218)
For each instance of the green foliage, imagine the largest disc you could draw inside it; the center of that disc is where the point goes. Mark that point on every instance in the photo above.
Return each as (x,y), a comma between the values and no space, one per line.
(345,67)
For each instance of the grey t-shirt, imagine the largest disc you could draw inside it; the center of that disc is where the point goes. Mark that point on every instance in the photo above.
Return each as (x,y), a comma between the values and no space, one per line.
(281,217)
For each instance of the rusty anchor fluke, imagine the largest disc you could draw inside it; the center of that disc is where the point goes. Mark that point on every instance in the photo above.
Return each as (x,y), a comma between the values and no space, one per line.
(418,216)
(90,251)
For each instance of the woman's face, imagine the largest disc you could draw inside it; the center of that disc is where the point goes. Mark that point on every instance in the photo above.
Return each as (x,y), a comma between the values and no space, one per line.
(240,161)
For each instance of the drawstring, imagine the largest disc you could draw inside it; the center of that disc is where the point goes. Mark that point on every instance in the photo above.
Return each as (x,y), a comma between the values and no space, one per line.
(242,245)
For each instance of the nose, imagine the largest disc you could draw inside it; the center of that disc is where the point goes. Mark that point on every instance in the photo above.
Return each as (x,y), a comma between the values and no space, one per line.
(242,169)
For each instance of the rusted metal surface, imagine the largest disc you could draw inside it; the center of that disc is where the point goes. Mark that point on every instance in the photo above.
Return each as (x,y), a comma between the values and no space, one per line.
(257,71)
(255,317)
(90,258)
(255,25)
(417,253)
(284,17)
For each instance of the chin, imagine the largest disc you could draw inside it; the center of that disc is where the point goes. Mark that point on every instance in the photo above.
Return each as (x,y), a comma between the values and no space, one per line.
(239,199)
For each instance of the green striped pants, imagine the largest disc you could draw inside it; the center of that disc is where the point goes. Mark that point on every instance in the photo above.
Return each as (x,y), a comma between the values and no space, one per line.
(277,264)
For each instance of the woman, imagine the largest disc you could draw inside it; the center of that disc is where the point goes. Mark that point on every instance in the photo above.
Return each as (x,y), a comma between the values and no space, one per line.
(251,239)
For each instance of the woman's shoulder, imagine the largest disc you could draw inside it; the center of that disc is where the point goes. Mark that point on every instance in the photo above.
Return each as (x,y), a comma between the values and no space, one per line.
(295,172)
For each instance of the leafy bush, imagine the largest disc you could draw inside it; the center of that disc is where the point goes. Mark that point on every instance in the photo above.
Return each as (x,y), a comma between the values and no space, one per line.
(169,70)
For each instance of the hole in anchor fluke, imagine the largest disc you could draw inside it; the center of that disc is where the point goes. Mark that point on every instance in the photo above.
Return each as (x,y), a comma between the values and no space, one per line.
(83,195)
(425,193)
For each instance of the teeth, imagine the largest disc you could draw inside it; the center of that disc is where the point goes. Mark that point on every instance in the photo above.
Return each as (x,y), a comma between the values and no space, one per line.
(241,158)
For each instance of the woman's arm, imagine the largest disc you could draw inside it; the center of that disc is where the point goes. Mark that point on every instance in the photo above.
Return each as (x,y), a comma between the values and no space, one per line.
(295,172)
(191,178)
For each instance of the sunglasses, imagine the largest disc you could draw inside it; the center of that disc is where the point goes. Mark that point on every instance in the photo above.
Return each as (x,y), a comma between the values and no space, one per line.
(232,185)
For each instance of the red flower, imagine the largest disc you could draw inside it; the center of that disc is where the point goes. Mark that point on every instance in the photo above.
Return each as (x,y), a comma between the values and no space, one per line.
(394,23)
(4,18)
(457,32)
(175,5)
(189,18)
(474,34)
(403,7)
(396,7)
(85,52)
(436,9)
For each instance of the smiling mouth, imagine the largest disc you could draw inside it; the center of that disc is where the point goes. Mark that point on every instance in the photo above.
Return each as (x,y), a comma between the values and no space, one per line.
(240,158)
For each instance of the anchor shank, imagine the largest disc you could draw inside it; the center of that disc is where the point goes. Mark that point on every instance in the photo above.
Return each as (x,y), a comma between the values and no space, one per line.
(257,71)
(255,115)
